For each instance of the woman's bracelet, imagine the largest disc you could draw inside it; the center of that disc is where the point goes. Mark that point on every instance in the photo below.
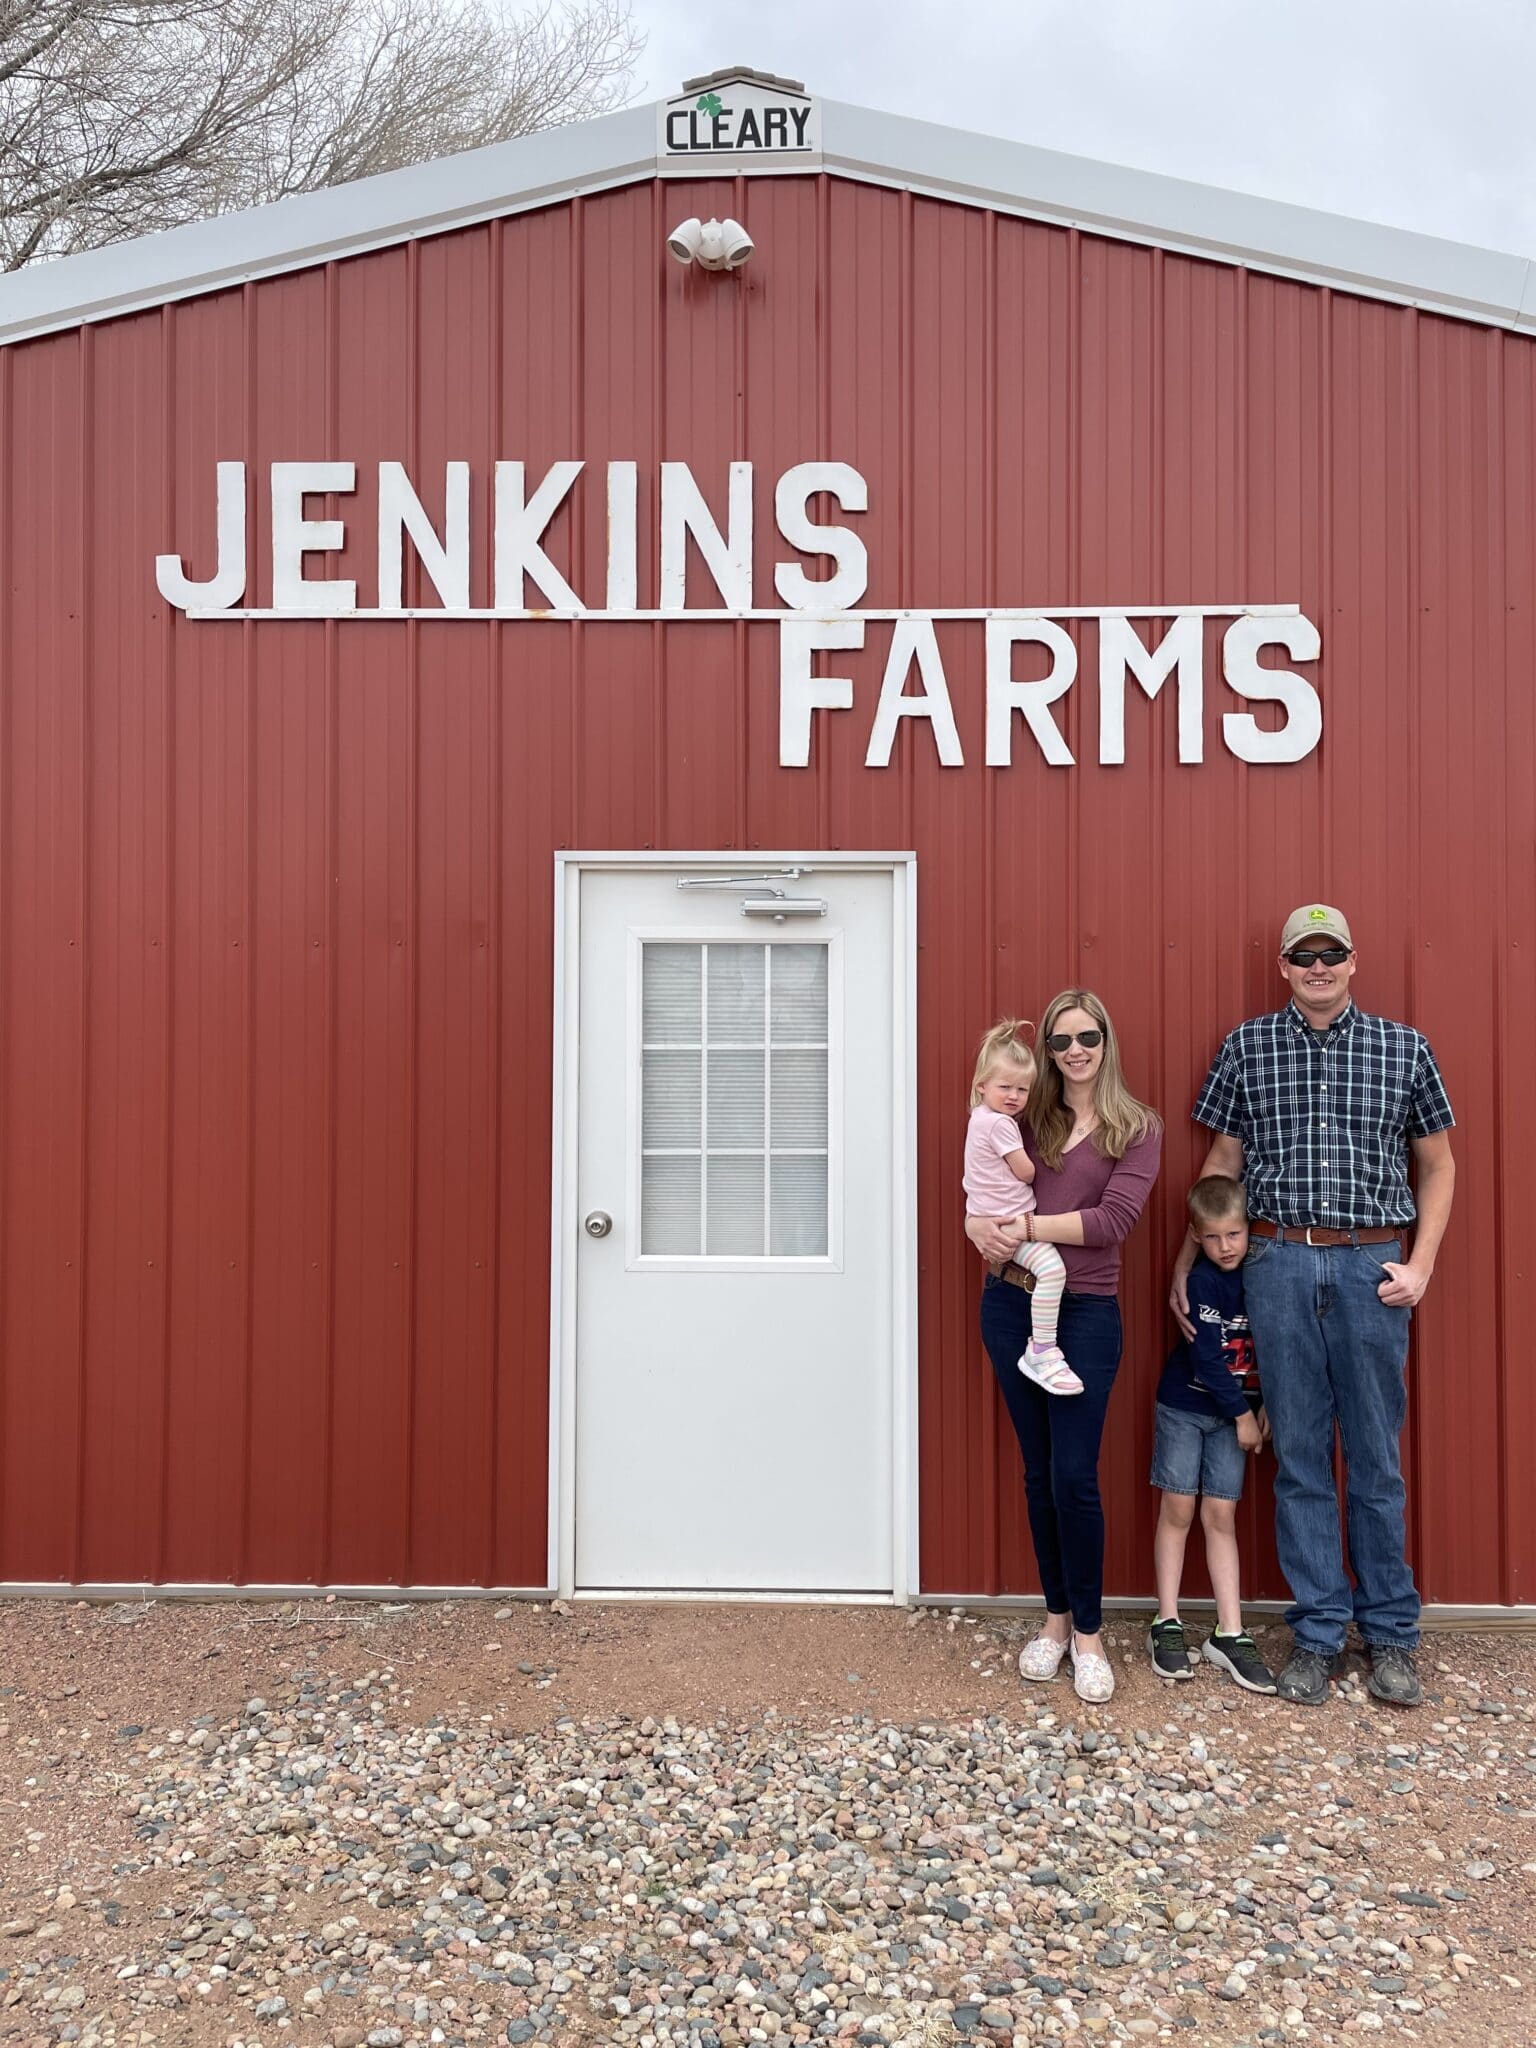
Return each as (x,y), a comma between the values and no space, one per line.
(1029,1227)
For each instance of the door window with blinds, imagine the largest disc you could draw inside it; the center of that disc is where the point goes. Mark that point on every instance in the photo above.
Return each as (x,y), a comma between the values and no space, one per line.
(735,1137)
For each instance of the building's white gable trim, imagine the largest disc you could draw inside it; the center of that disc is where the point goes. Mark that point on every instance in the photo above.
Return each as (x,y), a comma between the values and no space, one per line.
(317,227)
(1438,276)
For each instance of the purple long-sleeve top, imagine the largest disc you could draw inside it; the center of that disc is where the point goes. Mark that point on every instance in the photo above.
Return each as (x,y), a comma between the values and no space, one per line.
(1110,1193)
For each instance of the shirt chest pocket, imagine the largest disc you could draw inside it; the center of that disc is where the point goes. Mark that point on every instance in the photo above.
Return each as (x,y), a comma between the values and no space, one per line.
(1344,1101)
(1377,1106)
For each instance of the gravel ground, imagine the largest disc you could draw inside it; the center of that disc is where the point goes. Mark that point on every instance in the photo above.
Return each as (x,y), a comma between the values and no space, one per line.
(406,1824)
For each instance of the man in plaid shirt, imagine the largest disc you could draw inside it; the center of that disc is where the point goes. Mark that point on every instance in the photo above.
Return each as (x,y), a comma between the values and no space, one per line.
(1318,1107)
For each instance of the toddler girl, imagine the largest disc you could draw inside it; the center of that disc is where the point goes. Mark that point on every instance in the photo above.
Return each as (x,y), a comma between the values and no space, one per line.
(998,1172)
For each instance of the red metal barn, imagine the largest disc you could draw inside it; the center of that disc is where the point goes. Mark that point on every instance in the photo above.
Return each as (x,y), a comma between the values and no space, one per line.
(403,589)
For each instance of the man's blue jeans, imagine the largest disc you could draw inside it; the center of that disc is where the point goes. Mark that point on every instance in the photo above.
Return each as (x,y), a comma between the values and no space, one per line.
(1330,1352)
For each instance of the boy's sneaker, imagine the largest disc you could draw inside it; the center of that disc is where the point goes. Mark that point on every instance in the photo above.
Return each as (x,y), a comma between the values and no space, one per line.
(1394,1676)
(1305,1678)
(1241,1661)
(1170,1659)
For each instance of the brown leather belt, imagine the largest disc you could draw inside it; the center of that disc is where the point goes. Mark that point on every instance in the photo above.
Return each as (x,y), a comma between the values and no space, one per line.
(1316,1234)
(1016,1276)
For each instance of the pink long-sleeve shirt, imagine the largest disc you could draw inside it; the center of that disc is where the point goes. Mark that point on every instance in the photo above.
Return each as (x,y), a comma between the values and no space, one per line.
(1111,1194)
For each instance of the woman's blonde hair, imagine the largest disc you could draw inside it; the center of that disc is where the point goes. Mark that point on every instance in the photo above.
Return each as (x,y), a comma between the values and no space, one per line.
(1004,1046)
(1122,1119)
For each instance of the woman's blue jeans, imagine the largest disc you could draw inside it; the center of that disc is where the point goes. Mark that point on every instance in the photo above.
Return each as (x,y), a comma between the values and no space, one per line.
(1330,1352)
(1059,1436)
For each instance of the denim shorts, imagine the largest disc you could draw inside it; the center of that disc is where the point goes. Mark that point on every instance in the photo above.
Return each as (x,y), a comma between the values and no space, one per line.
(1197,1454)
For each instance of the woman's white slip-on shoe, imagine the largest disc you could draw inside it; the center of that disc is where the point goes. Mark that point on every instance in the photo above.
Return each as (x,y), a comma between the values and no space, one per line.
(1040,1658)
(1092,1679)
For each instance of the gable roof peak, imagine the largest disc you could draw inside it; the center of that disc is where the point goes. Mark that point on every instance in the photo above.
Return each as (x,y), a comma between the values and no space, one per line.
(1488,286)
(742,74)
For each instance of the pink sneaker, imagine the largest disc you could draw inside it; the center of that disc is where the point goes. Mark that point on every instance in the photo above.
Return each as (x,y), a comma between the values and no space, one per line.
(1045,1365)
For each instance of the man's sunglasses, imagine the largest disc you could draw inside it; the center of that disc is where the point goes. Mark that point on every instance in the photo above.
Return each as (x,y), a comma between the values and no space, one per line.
(1308,956)
(1060,1040)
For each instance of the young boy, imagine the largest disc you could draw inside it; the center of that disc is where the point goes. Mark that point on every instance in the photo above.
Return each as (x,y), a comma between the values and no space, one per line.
(1209,1419)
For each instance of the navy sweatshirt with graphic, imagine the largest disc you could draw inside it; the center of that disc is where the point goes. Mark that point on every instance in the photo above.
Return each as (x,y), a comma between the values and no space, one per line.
(1215,1372)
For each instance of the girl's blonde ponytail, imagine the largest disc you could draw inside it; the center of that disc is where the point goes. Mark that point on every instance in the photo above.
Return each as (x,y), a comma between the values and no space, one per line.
(1004,1045)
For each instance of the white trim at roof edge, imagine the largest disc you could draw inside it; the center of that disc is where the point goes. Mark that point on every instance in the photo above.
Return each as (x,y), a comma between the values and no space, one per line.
(317,227)
(1451,278)
(1458,279)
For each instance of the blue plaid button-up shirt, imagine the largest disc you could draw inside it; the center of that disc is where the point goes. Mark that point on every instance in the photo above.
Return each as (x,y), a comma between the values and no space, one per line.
(1325,1118)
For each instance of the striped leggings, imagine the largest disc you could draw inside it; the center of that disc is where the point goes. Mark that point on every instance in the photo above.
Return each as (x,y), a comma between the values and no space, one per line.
(1044,1261)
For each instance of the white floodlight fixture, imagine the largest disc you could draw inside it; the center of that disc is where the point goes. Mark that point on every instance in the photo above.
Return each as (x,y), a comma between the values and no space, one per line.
(712,244)
(684,240)
(734,243)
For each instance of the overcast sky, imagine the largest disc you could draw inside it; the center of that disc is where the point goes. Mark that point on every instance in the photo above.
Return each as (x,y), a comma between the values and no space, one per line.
(1417,112)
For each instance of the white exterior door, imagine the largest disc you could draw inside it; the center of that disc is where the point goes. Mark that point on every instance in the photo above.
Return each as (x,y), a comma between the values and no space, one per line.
(736,1138)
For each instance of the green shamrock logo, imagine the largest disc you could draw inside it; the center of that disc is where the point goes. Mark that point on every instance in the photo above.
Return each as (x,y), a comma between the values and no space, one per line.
(710,103)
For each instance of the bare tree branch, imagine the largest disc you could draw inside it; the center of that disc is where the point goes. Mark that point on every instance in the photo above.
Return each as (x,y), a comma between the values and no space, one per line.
(118,117)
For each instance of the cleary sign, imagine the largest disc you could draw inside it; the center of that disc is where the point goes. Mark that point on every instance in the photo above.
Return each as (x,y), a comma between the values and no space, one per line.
(815,615)
(764,120)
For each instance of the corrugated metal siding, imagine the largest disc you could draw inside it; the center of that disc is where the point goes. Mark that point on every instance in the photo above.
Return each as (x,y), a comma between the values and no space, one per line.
(275,914)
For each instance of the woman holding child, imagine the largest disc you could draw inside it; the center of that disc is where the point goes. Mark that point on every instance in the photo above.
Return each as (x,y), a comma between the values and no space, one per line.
(1090,1154)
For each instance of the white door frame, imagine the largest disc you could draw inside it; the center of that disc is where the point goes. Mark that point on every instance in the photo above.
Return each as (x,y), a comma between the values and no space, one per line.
(566,1222)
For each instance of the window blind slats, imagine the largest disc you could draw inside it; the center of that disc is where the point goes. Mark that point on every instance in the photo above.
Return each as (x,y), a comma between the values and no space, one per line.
(671,998)
(736,980)
(799,995)
(669,1207)
(670,1099)
(733,1100)
(799,1098)
(797,1208)
(733,1207)
(736,1099)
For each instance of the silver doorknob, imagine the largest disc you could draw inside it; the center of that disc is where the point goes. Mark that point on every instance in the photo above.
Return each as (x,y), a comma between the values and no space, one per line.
(598,1224)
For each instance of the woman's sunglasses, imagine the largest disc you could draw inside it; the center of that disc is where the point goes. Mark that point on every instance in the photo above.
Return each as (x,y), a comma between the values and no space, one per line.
(1308,956)
(1060,1040)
